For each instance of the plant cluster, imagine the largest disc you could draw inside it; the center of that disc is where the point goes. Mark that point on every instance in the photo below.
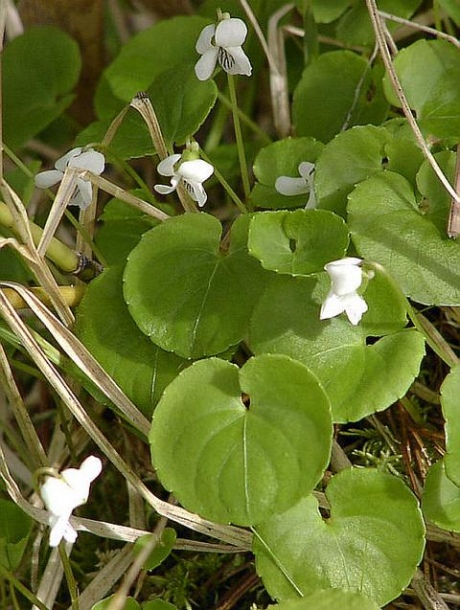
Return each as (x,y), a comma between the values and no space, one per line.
(265,327)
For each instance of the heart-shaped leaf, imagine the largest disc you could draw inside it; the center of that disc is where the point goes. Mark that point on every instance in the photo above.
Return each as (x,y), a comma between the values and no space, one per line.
(105,327)
(387,227)
(373,516)
(162,549)
(450,392)
(185,293)
(299,242)
(238,445)
(441,498)
(360,379)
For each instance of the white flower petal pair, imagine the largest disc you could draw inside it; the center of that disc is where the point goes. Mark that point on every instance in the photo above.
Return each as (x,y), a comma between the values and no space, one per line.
(88,160)
(62,494)
(222,43)
(192,174)
(346,277)
(286,185)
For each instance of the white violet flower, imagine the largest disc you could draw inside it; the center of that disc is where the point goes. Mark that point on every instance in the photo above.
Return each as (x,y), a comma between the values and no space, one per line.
(89,159)
(192,174)
(62,493)
(222,43)
(285,185)
(346,277)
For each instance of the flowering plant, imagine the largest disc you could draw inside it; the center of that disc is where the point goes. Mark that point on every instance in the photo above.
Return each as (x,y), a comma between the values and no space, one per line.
(242,324)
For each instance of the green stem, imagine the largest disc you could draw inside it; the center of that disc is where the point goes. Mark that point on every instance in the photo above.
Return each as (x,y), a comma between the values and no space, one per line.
(65,258)
(231,193)
(21,588)
(239,136)
(245,119)
(71,582)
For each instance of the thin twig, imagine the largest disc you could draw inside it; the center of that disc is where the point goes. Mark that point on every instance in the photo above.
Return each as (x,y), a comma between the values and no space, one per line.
(380,37)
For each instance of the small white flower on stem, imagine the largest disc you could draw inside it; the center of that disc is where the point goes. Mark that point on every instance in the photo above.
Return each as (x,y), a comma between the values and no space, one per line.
(90,159)
(285,185)
(222,43)
(192,174)
(346,277)
(63,493)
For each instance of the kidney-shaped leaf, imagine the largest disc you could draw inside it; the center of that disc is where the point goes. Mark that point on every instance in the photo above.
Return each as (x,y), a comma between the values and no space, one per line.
(450,401)
(387,227)
(187,295)
(371,543)
(298,242)
(237,445)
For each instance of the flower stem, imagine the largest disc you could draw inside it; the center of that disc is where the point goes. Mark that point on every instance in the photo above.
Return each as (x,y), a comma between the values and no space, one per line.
(245,119)
(71,582)
(231,193)
(239,137)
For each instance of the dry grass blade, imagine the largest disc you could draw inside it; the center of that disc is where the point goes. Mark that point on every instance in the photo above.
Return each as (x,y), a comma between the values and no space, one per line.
(36,262)
(60,203)
(83,359)
(226,533)
(278,73)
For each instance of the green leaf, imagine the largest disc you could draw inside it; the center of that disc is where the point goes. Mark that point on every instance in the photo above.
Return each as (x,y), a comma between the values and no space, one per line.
(183,104)
(15,528)
(105,327)
(337,91)
(40,69)
(132,139)
(452,8)
(185,293)
(373,516)
(129,604)
(168,44)
(387,227)
(329,599)
(359,379)
(441,498)
(326,12)
(450,392)
(299,242)
(162,549)
(238,445)
(282,158)
(355,26)
(429,71)
(349,158)
(121,230)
